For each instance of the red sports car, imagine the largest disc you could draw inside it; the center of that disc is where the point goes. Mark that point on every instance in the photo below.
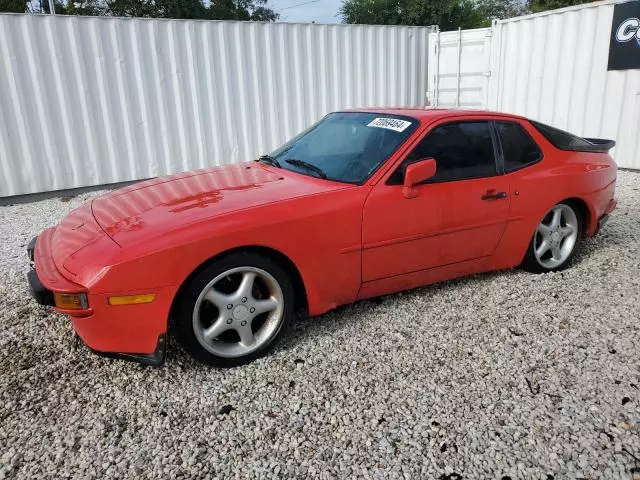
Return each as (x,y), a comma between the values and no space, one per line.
(362,204)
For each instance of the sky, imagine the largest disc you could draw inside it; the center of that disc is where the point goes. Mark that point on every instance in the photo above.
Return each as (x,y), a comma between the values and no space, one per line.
(307,11)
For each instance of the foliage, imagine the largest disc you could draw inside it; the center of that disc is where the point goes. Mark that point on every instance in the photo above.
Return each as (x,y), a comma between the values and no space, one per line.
(501,9)
(86,7)
(196,9)
(536,6)
(241,10)
(447,14)
(13,6)
(132,8)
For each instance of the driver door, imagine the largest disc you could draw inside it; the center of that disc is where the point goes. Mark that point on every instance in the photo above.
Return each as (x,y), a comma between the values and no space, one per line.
(399,235)
(457,215)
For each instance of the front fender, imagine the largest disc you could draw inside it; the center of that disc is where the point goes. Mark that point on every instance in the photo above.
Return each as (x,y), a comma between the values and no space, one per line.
(320,234)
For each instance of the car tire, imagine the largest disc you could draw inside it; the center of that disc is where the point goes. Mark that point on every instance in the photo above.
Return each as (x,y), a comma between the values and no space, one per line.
(556,240)
(234,310)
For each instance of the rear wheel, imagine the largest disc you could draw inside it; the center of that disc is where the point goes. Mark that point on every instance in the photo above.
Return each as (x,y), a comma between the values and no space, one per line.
(555,240)
(234,310)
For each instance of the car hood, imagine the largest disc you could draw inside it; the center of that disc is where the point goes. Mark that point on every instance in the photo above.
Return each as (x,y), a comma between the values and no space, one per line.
(150,208)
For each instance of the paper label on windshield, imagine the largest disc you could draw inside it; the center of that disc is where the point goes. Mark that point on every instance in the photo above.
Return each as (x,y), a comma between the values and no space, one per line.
(390,124)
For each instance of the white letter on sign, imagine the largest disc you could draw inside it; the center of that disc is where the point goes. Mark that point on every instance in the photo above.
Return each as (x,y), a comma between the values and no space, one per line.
(628,29)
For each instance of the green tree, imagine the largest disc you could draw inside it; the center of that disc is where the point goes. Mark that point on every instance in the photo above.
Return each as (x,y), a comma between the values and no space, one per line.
(14,6)
(256,10)
(260,12)
(448,14)
(195,9)
(241,10)
(133,8)
(536,6)
(501,9)
(84,7)
(181,9)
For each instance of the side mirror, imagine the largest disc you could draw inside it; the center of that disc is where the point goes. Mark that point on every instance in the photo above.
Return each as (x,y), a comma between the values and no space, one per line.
(416,173)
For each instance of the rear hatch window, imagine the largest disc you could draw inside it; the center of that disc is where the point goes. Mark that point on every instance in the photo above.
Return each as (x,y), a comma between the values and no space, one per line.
(567,141)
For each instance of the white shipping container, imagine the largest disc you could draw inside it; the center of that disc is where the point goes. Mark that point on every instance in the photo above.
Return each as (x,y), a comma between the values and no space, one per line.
(459,68)
(91,101)
(552,67)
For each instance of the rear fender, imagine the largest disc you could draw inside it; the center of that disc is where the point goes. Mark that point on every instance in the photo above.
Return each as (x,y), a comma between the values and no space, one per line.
(520,230)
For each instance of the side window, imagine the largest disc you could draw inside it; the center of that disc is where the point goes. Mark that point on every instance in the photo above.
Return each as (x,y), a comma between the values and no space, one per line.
(461,150)
(518,148)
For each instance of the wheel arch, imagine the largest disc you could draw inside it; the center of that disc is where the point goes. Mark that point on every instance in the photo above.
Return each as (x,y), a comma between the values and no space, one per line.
(583,209)
(302,303)
(587,215)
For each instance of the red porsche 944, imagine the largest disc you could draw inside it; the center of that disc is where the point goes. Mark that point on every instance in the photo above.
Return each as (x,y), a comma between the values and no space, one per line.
(362,204)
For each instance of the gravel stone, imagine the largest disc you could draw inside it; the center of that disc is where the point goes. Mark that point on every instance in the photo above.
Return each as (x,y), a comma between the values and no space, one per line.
(500,375)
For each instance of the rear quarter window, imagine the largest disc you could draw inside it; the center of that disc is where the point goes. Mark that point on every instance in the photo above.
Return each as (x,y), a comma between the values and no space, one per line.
(519,150)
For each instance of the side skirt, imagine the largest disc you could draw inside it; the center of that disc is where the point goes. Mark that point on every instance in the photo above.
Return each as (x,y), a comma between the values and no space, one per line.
(420,278)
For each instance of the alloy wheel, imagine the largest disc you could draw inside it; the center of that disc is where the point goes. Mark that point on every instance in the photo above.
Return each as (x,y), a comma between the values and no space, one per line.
(556,236)
(239,311)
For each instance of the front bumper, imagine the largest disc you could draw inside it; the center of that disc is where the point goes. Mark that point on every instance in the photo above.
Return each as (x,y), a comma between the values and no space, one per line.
(44,296)
(38,291)
(155,359)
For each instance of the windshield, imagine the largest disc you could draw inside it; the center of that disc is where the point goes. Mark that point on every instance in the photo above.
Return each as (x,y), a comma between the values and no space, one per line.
(345,146)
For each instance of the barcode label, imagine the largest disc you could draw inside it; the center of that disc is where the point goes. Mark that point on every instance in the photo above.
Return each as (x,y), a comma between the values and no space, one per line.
(390,124)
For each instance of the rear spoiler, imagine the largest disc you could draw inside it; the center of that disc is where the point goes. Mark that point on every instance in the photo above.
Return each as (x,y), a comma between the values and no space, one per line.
(598,145)
(569,142)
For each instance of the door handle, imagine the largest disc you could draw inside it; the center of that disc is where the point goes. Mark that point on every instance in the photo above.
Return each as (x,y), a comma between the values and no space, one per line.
(493,195)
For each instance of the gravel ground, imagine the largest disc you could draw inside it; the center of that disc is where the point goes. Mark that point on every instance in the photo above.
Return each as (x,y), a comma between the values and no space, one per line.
(502,375)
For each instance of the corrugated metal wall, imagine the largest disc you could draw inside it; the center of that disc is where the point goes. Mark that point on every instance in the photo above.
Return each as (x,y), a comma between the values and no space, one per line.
(552,67)
(91,101)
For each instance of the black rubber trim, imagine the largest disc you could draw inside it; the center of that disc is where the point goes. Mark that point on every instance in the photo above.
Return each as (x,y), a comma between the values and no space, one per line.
(601,221)
(31,248)
(155,359)
(41,294)
(498,154)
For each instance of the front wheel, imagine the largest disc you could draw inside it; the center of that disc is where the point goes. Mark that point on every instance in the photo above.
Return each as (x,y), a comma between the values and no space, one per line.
(234,310)
(555,240)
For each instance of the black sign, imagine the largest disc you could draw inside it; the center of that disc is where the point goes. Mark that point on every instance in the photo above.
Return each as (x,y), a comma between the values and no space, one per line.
(624,49)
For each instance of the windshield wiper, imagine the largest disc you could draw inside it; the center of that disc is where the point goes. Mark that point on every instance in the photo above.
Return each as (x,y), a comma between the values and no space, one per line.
(270,160)
(309,166)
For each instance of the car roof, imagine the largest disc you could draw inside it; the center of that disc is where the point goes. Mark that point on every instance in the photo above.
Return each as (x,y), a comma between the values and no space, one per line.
(431,113)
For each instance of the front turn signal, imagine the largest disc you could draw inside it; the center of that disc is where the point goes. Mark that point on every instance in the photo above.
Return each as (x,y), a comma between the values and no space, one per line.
(71,301)
(132,299)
